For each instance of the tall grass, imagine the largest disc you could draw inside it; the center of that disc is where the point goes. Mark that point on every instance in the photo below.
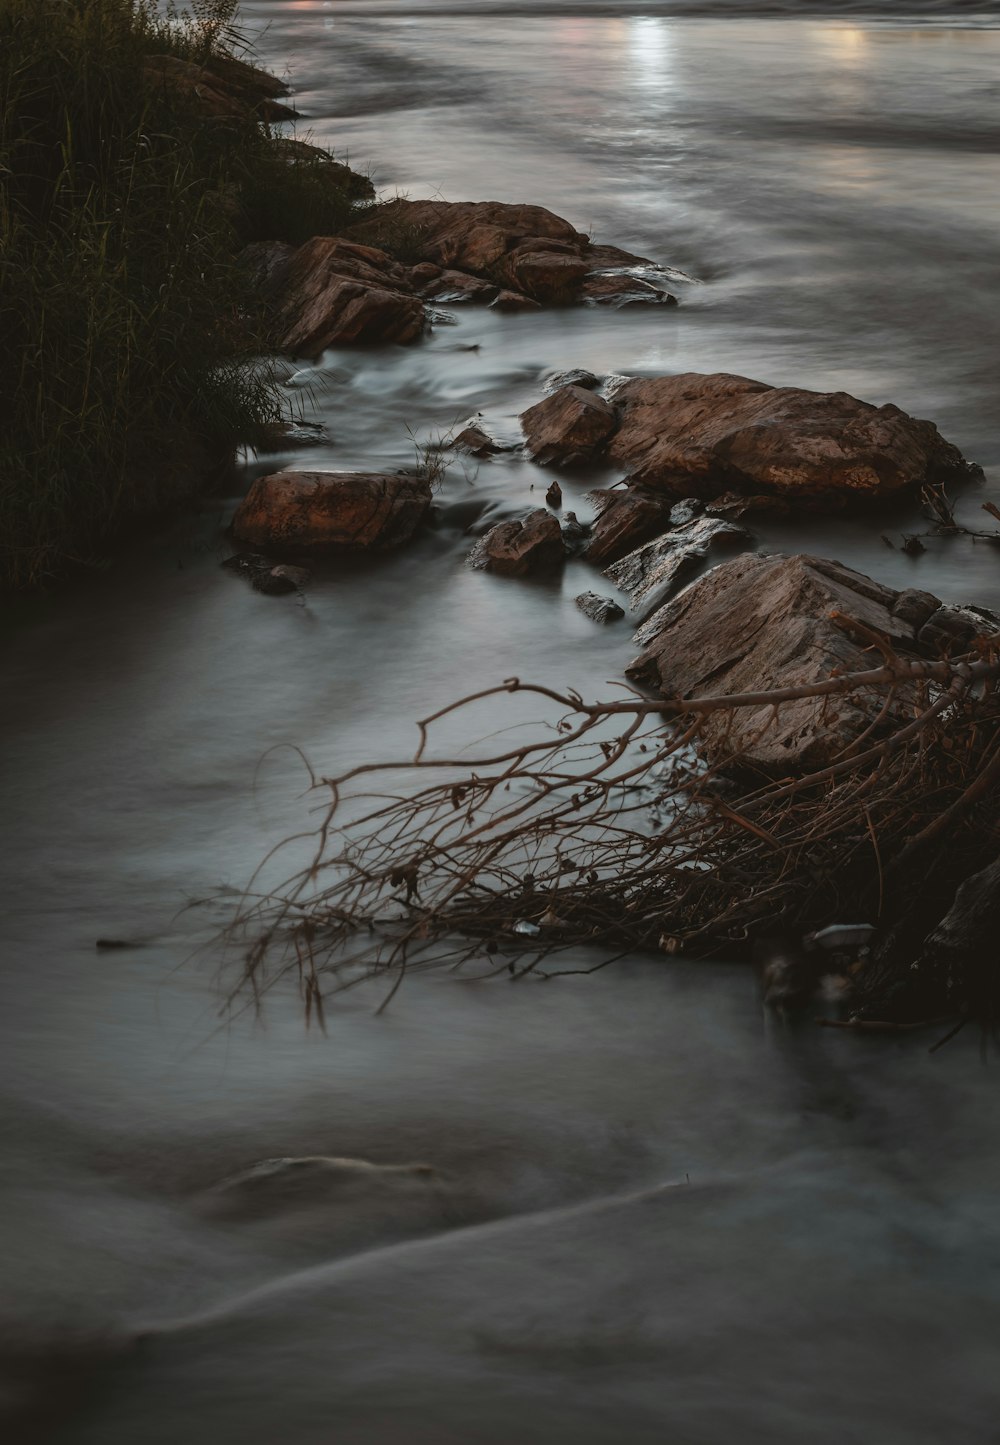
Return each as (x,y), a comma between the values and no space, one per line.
(127,323)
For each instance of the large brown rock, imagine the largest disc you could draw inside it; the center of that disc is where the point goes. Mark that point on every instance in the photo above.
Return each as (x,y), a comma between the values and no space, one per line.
(523,249)
(517,548)
(625,519)
(762,622)
(332,292)
(341,511)
(707,434)
(571,425)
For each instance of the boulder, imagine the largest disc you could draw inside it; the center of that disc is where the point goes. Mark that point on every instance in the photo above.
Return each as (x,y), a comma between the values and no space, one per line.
(762,622)
(625,520)
(570,425)
(599,609)
(523,249)
(655,570)
(331,292)
(716,433)
(339,511)
(517,548)
(476,442)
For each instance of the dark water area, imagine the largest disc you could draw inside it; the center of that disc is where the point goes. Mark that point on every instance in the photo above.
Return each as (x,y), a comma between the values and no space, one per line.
(655,1212)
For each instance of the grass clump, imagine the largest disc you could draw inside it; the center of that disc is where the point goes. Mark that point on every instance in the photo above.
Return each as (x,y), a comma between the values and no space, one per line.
(134,149)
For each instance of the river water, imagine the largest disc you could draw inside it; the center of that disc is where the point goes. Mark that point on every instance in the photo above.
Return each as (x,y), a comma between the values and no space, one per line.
(655,1213)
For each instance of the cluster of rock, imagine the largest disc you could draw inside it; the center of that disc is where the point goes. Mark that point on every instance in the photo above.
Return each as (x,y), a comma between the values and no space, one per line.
(725,438)
(335,291)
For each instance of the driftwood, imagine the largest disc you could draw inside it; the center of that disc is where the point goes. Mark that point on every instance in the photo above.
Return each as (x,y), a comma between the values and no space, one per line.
(606,828)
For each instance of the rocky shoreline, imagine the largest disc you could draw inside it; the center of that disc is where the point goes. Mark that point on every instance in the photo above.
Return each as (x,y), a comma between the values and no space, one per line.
(699,455)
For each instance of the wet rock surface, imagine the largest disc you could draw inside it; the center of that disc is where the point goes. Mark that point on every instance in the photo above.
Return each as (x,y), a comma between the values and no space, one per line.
(533,545)
(762,622)
(339,511)
(274,579)
(526,250)
(709,434)
(656,569)
(599,609)
(626,518)
(332,292)
(568,426)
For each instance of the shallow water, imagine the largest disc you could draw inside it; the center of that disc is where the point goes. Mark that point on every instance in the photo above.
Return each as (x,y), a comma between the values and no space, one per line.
(655,1213)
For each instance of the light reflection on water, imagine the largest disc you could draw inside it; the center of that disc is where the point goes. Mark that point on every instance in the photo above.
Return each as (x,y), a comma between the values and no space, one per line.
(832,1273)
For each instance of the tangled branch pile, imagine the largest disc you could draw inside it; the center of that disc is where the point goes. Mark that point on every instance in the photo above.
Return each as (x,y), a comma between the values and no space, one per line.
(606,828)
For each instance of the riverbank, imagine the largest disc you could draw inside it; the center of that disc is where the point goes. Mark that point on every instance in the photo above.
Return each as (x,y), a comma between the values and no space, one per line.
(139,157)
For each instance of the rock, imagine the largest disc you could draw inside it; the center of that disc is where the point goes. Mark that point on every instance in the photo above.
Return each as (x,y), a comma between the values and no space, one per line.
(954,629)
(223,88)
(625,520)
(274,580)
(761,622)
(554,495)
(599,609)
(279,436)
(423,274)
(656,569)
(617,289)
(353,184)
(683,512)
(732,505)
(331,292)
(456,286)
(476,442)
(915,607)
(574,532)
(513,301)
(577,376)
(343,511)
(571,425)
(523,249)
(515,549)
(710,434)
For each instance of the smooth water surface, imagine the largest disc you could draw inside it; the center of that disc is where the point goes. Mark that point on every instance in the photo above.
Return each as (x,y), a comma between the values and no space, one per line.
(655,1213)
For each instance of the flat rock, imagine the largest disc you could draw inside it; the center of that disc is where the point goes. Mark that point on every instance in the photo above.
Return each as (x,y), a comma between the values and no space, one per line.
(518,548)
(761,622)
(570,425)
(331,292)
(656,569)
(708,434)
(599,609)
(340,511)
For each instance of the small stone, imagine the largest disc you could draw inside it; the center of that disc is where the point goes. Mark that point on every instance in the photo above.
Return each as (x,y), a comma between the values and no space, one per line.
(599,609)
(554,495)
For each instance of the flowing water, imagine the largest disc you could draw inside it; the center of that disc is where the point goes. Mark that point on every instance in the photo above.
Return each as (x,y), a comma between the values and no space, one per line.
(654,1213)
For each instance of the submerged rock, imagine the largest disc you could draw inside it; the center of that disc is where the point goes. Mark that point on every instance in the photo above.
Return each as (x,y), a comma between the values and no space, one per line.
(618,289)
(569,426)
(762,622)
(599,609)
(517,548)
(708,434)
(267,576)
(509,300)
(346,511)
